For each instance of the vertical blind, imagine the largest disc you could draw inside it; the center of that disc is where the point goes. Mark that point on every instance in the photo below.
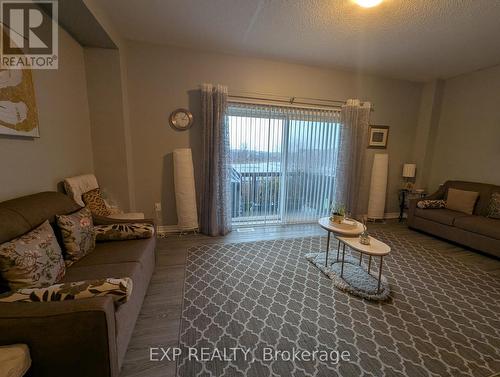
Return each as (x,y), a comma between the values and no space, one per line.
(282,163)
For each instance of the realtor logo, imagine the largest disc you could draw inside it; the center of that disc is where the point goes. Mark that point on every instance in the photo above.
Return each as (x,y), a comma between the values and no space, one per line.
(29,34)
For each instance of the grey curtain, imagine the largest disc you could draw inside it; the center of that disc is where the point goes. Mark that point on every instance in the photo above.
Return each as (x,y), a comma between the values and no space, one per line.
(355,118)
(215,216)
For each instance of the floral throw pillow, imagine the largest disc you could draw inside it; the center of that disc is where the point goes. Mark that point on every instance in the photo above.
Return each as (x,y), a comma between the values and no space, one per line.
(119,289)
(78,234)
(32,260)
(431,204)
(494,208)
(123,231)
(94,201)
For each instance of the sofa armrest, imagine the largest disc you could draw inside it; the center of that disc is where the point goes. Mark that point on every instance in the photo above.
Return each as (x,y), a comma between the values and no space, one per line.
(65,338)
(103,220)
(412,204)
(439,194)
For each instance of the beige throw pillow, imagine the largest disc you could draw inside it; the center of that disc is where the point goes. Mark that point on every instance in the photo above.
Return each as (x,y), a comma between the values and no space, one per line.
(461,201)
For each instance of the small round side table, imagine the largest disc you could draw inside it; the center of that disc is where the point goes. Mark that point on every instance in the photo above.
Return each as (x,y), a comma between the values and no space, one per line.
(376,248)
(339,230)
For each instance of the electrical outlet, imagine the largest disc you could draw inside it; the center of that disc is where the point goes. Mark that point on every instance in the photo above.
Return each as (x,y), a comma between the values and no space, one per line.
(158,206)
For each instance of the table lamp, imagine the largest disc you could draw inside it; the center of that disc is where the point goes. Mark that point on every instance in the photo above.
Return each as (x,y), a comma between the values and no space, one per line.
(409,171)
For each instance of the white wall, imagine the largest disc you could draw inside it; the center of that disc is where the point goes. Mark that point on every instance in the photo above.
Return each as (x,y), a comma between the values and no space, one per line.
(104,85)
(161,79)
(64,148)
(467,145)
(426,132)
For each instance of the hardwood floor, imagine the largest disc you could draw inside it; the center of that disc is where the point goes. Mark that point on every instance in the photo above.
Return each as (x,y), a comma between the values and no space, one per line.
(159,321)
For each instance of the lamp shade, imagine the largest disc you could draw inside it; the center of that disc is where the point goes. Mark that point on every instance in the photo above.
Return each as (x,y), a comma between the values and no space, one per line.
(409,170)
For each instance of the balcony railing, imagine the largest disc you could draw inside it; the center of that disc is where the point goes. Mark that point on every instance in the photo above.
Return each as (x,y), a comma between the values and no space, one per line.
(262,197)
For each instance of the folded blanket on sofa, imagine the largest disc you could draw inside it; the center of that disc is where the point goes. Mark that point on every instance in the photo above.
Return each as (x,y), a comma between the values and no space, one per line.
(431,204)
(123,231)
(119,289)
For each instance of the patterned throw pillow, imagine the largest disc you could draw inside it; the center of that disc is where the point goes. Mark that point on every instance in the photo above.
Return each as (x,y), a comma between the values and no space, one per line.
(94,201)
(494,208)
(124,231)
(78,234)
(119,289)
(431,204)
(32,260)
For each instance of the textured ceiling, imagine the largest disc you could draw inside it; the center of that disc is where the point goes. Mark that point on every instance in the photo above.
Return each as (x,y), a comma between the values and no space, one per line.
(411,39)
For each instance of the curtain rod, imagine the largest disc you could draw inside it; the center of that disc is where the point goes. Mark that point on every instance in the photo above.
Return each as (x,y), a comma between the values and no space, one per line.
(286,103)
(290,101)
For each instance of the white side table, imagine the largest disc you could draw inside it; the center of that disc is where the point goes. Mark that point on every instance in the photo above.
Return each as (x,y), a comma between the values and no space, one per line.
(15,360)
(339,230)
(375,248)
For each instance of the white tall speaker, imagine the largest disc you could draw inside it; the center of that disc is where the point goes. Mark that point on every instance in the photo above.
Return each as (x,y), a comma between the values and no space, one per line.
(378,186)
(185,192)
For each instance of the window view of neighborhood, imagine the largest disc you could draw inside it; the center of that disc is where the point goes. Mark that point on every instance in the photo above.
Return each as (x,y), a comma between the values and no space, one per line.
(282,169)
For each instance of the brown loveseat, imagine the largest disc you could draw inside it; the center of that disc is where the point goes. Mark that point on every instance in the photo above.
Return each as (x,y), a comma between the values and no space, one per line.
(87,337)
(475,231)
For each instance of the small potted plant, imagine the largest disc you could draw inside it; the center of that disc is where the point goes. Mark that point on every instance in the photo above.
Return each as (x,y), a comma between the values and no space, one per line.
(338,214)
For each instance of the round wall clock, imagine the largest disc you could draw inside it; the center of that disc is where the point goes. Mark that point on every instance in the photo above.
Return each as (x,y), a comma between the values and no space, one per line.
(181,119)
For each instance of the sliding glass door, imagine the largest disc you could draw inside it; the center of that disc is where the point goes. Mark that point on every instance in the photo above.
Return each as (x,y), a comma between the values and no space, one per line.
(282,163)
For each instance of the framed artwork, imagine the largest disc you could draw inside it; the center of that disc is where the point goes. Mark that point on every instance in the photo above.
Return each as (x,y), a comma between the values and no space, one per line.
(18,112)
(378,136)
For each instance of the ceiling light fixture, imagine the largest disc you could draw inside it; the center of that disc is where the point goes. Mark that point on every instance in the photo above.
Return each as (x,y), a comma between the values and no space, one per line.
(368,3)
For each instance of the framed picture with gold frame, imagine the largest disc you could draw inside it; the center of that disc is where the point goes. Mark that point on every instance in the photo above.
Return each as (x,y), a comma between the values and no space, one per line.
(378,136)
(18,112)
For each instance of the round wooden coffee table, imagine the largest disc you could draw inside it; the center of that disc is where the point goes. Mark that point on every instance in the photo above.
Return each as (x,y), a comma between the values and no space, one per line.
(376,248)
(338,230)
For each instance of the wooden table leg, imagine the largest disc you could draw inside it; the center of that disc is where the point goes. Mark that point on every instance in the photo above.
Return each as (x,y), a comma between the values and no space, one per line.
(369,263)
(360,258)
(338,249)
(343,254)
(380,273)
(327,249)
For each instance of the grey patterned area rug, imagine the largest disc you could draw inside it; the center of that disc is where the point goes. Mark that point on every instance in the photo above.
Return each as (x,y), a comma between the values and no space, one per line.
(263,297)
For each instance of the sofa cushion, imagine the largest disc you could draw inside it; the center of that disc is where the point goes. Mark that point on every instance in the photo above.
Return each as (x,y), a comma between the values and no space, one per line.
(19,216)
(119,252)
(94,201)
(139,272)
(78,234)
(75,273)
(461,200)
(480,225)
(32,260)
(442,216)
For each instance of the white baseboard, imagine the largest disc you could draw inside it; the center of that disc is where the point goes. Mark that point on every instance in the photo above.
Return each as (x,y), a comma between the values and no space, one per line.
(391,215)
(388,215)
(172,229)
(164,229)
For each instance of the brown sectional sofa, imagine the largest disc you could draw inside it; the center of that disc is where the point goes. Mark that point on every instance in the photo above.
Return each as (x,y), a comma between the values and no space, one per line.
(87,337)
(475,231)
